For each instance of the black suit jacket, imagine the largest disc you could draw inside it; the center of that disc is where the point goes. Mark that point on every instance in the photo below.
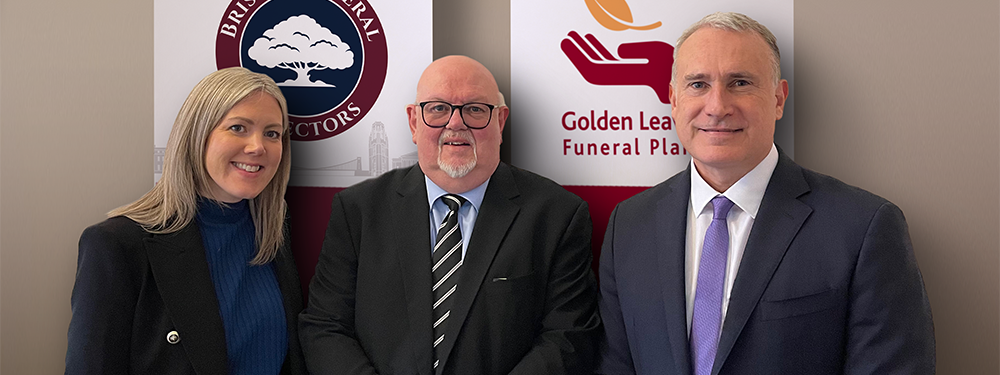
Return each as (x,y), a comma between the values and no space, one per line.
(133,287)
(526,299)
(828,284)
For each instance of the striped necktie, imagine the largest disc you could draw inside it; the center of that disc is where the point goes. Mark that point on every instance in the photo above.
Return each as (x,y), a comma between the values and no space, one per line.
(447,256)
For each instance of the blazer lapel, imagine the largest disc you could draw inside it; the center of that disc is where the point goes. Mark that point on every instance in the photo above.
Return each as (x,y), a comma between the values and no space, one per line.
(411,219)
(779,219)
(182,277)
(671,218)
(496,215)
(291,292)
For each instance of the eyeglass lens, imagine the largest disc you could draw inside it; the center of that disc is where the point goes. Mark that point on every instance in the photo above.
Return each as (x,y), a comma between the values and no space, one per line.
(475,115)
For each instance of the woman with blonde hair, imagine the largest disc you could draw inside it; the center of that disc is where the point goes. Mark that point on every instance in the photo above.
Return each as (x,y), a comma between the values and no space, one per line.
(197,275)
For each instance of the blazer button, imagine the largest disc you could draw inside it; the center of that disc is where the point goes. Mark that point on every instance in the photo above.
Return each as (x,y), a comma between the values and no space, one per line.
(173,337)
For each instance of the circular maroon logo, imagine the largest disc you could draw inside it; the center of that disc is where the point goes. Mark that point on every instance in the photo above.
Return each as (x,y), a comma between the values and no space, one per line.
(328,57)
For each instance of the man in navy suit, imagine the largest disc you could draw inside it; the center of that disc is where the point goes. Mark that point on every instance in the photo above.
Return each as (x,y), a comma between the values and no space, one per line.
(746,263)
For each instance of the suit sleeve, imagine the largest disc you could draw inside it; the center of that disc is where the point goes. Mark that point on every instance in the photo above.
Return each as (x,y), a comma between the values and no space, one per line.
(102,303)
(889,325)
(570,323)
(326,326)
(613,350)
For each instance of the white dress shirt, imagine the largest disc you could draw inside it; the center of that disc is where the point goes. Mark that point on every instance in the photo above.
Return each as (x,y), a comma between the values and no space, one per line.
(746,195)
(466,214)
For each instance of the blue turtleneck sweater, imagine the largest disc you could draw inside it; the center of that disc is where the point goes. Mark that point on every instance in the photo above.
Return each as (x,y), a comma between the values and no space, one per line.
(250,301)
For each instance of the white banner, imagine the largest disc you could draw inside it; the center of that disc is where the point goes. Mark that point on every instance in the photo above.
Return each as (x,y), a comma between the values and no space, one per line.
(346,67)
(589,85)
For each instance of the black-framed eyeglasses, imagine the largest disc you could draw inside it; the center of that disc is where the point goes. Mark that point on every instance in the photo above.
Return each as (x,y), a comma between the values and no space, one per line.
(437,114)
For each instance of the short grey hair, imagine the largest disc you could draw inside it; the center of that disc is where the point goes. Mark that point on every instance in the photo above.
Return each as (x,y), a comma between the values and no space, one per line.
(733,22)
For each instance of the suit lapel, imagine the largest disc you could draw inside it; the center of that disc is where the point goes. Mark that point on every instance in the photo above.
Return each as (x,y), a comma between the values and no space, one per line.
(291,293)
(671,221)
(779,219)
(411,220)
(182,277)
(495,217)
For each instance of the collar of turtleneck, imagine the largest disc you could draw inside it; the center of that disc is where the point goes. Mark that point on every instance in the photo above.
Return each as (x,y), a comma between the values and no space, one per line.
(213,212)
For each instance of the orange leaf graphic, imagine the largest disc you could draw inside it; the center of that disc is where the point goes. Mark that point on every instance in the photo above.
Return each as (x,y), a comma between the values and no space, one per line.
(647,27)
(603,18)
(615,15)
(617,8)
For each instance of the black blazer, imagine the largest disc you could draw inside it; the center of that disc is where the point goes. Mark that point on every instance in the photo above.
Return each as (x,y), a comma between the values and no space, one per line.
(133,288)
(526,298)
(828,284)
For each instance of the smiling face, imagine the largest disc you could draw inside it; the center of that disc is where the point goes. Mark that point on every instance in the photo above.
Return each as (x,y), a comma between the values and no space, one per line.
(725,102)
(456,157)
(244,149)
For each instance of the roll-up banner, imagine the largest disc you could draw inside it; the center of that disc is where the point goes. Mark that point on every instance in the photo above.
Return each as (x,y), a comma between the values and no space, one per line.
(346,67)
(589,91)
(588,88)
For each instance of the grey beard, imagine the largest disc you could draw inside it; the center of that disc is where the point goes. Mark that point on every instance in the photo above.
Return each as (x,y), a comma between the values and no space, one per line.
(458,171)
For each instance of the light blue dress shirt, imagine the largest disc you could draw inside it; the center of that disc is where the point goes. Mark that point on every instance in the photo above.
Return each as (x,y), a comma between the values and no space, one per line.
(466,214)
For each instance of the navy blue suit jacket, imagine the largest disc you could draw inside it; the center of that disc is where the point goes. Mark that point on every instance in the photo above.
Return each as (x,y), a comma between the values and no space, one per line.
(133,287)
(828,284)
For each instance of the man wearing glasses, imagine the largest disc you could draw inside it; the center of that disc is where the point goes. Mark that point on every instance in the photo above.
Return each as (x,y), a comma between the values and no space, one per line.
(460,264)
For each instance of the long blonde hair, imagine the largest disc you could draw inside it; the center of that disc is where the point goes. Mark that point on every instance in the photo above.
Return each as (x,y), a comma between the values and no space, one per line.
(171,205)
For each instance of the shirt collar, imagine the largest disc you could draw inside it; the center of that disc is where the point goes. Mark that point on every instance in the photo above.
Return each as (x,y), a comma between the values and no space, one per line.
(746,193)
(474,196)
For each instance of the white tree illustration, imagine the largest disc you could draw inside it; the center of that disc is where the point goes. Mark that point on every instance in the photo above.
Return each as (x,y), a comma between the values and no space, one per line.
(302,45)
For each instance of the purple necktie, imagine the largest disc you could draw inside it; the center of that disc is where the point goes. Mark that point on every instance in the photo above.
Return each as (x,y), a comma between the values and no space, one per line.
(706,321)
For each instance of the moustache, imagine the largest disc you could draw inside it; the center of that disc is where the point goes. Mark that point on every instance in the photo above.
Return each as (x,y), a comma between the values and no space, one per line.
(465,135)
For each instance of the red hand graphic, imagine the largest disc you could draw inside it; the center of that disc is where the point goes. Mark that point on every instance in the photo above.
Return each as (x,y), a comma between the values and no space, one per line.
(600,67)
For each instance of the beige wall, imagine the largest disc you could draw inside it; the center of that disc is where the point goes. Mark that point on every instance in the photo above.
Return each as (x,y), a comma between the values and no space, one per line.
(901,99)
(77,135)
